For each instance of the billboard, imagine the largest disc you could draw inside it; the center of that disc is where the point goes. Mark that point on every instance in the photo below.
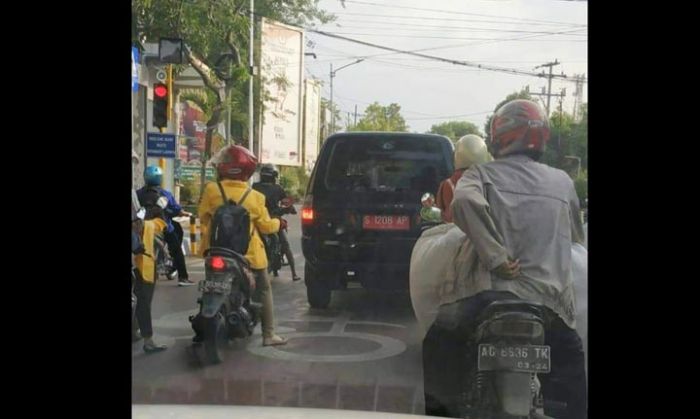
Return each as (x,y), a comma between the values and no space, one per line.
(312,122)
(281,66)
(193,129)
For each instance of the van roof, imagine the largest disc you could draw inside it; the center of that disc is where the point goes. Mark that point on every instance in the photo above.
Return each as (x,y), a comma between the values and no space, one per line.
(385,134)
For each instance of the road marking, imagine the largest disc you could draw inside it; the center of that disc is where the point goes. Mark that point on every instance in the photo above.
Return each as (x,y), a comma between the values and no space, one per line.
(388,346)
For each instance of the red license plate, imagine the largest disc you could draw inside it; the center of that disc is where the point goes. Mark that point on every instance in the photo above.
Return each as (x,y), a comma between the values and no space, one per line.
(386,222)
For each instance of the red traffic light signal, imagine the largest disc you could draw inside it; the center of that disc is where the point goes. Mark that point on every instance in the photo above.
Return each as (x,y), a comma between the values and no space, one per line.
(160,90)
(160,105)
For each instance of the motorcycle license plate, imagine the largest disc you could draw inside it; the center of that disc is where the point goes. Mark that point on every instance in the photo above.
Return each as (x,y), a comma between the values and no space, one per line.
(214,286)
(523,358)
(386,222)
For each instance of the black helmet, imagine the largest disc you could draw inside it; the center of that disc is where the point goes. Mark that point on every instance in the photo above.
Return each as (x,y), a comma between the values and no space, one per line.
(268,172)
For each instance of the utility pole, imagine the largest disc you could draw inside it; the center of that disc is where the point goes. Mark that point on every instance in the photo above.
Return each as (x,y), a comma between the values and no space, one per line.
(332,130)
(549,95)
(561,100)
(578,95)
(355,115)
(549,80)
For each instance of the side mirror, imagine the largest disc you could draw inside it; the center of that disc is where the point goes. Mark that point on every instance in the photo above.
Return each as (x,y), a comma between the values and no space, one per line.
(286,203)
(428,200)
(430,213)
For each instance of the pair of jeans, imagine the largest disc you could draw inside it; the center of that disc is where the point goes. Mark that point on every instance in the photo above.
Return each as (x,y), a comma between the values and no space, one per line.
(287,250)
(447,360)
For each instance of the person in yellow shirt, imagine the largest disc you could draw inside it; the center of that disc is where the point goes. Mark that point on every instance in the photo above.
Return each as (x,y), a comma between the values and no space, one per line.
(235,165)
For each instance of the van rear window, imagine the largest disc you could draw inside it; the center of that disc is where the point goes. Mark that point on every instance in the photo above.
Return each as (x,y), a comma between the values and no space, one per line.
(386,164)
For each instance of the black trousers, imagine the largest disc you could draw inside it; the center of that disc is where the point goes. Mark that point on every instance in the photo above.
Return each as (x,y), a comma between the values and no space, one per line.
(447,360)
(174,241)
(144,296)
(286,249)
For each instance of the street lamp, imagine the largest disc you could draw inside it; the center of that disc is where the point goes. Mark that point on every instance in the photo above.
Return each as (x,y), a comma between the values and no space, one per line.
(359,60)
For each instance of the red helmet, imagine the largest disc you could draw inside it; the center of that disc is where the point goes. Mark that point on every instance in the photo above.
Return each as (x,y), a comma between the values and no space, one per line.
(519,126)
(236,162)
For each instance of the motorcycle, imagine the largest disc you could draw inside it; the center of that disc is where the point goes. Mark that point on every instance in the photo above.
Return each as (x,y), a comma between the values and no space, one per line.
(226,310)
(273,246)
(509,353)
(164,262)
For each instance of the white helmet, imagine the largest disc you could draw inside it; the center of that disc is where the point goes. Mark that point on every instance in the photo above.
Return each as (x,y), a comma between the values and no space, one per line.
(471,149)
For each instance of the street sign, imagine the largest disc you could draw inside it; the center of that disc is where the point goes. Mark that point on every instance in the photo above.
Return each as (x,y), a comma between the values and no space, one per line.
(160,145)
(194,173)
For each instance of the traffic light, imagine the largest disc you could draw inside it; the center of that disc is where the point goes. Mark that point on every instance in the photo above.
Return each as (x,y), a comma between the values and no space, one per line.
(160,105)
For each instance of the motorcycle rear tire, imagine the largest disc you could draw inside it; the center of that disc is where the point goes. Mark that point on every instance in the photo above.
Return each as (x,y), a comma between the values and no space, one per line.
(215,339)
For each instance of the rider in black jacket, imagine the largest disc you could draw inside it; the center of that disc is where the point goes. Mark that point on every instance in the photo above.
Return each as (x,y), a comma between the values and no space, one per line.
(274,193)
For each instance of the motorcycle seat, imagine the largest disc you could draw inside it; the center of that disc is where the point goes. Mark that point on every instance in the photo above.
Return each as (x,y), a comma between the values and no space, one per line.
(505,306)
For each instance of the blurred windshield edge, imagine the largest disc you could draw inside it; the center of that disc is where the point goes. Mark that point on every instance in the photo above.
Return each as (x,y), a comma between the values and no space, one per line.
(140,411)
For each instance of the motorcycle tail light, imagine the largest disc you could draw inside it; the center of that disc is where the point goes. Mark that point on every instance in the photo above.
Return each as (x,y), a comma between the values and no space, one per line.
(217,263)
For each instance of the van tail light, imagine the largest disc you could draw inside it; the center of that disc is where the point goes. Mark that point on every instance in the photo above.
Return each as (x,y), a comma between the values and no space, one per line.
(307,211)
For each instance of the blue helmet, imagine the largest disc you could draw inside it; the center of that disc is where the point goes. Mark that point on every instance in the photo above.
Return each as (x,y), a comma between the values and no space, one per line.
(153,176)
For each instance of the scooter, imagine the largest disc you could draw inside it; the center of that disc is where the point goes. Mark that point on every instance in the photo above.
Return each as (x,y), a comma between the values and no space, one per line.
(273,246)
(226,310)
(508,353)
(164,262)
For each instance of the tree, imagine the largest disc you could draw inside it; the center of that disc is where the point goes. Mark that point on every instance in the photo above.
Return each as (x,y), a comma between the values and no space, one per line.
(455,130)
(381,118)
(522,94)
(325,105)
(216,37)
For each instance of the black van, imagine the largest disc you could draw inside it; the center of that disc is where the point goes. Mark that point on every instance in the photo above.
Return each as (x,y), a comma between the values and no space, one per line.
(360,215)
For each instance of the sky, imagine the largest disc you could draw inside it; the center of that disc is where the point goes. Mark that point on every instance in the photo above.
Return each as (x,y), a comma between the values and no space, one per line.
(430,92)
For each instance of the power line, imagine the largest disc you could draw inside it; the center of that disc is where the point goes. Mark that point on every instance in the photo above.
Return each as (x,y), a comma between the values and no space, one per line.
(432,57)
(456,45)
(423,68)
(449,116)
(347,56)
(371,103)
(502,22)
(414,27)
(453,37)
(451,12)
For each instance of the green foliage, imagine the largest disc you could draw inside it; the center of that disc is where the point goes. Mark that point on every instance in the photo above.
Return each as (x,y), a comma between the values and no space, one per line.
(294,180)
(325,104)
(189,193)
(381,118)
(581,185)
(454,130)
(217,32)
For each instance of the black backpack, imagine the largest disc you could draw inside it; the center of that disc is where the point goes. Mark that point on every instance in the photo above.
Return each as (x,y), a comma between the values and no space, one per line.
(230,227)
(149,199)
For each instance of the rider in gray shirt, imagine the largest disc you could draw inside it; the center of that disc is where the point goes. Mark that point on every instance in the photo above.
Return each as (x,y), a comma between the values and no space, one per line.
(521,217)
